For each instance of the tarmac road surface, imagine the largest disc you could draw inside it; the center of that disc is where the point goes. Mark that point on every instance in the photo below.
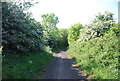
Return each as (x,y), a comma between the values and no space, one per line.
(62,67)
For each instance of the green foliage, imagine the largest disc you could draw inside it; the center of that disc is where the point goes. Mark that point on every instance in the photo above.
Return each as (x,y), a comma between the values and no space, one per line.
(49,21)
(17,66)
(54,36)
(20,33)
(21,36)
(26,40)
(93,47)
(101,24)
(24,4)
(58,38)
(98,57)
(96,50)
(64,35)
(73,32)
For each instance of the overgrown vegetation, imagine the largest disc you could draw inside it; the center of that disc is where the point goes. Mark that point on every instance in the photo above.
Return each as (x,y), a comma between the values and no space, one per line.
(28,44)
(24,66)
(54,37)
(20,32)
(96,51)
(74,32)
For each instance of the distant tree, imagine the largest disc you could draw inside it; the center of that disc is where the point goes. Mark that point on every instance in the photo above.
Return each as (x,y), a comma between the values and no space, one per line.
(73,32)
(51,32)
(64,35)
(49,21)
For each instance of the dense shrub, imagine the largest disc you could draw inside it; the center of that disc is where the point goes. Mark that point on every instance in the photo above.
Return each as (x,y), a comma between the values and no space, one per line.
(63,41)
(73,32)
(101,24)
(26,43)
(96,49)
(55,37)
(98,57)
(58,38)
(20,33)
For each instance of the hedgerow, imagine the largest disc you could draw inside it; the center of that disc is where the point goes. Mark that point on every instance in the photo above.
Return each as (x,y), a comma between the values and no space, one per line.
(98,57)
(27,44)
(20,32)
(96,50)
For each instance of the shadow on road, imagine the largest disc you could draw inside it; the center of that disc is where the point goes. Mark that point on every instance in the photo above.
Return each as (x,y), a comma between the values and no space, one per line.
(62,67)
(58,51)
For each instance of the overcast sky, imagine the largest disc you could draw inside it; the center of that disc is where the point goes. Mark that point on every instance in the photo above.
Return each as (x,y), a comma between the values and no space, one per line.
(70,12)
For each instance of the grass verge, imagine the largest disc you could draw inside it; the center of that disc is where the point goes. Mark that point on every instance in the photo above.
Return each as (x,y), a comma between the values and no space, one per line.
(17,66)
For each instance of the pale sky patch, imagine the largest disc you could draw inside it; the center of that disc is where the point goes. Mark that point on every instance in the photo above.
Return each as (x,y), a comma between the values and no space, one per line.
(74,11)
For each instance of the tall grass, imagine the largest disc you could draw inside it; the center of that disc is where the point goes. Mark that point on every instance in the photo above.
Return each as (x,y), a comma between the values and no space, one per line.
(17,66)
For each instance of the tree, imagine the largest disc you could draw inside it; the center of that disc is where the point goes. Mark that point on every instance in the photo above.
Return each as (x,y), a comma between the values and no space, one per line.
(49,21)
(101,24)
(73,32)
(24,5)
(64,35)
(51,33)
(20,32)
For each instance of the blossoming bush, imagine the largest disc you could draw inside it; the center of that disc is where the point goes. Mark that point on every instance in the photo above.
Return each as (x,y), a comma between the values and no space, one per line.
(98,57)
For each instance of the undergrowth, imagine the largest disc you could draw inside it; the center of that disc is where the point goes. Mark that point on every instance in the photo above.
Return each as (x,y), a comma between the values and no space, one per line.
(17,66)
(97,57)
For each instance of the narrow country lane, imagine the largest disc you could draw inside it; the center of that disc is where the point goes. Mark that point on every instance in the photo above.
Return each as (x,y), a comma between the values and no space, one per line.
(62,67)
